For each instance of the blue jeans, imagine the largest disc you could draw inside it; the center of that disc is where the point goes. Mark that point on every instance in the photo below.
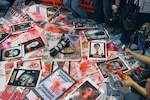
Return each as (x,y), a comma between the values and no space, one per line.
(73,6)
(102,11)
(133,96)
(4,4)
(126,36)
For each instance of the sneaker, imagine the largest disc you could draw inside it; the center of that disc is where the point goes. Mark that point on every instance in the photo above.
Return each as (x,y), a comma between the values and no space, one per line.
(83,21)
(72,18)
(134,46)
(117,42)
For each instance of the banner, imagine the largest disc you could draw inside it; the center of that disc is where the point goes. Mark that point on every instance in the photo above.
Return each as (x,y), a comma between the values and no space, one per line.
(87,5)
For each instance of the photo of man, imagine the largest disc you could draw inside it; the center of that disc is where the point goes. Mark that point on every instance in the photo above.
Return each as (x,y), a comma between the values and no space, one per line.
(25,78)
(12,53)
(86,91)
(97,50)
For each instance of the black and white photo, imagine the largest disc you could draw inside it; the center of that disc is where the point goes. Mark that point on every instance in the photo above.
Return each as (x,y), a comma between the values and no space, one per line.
(24,77)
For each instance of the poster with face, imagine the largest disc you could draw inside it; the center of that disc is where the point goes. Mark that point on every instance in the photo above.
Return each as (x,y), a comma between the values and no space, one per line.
(18,93)
(86,91)
(12,53)
(96,34)
(24,77)
(97,50)
(3,36)
(51,11)
(22,27)
(112,66)
(33,44)
(32,64)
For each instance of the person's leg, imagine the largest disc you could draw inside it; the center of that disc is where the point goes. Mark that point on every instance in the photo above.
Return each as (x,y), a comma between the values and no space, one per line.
(4,4)
(78,9)
(126,36)
(98,11)
(67,4)
(133,96)
(107,11)
(141,19)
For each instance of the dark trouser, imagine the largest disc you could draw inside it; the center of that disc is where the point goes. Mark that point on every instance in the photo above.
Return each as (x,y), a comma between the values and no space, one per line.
(73,6)
(4,5)
(141,19)
(28,1)
(126,36)
(133,96)
(102,10)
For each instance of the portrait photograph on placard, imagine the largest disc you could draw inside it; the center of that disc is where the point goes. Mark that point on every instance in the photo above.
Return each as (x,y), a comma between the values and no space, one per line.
(51,11)
(30,64)
(24,77)
(33,44)
(112,66)
(22,27)
(3,36)
(12,53)
(97,50)
(85,91)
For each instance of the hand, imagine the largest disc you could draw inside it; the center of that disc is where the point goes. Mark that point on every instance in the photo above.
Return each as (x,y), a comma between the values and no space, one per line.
(129,82)
(146,25)
(129,52)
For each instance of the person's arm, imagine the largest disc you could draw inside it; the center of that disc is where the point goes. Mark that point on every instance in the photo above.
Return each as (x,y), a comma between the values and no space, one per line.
(140,89)
(129,82)
(143,58)
(117,2)
(115,6)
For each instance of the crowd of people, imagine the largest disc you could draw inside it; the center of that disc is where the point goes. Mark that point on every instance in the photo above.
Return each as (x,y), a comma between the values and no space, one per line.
(104,10)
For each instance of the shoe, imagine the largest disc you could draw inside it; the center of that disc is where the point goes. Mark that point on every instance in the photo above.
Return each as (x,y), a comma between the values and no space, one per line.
(117,42)
(134,46)
(83,21)
(72,18)
(102,26)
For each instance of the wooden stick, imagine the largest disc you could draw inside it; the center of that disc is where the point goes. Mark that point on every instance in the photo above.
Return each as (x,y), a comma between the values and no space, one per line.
(4,75)
(91,73)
